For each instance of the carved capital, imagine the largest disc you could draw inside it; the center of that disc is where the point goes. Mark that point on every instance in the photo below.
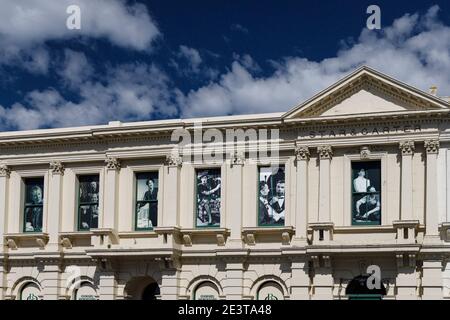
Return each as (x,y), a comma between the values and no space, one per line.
(237,158)
(407,148)
(325,152)
(5,171)
(431,146)
(364,152)
(174,160)
(302,153)
(112,163)
(57,167)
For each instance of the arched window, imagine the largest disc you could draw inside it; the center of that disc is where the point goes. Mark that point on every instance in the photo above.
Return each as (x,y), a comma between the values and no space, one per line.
(86,292)
(30,291)
(270,290)
(206,291)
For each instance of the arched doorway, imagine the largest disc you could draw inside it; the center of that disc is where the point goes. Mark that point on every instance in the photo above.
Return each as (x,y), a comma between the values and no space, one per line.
(30,291)
(150,292)
(206,290)
(142,288)
(358,289)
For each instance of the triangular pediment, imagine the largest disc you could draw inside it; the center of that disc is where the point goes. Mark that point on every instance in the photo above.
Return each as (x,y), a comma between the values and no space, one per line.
(366,91)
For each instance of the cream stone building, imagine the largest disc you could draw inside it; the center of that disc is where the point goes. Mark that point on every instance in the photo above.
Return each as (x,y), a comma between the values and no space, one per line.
(117,212)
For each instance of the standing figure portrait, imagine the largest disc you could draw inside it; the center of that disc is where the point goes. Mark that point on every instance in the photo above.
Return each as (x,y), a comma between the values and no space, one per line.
(34,206)
(366,186)
(208,198)
(271,198)
(147,200)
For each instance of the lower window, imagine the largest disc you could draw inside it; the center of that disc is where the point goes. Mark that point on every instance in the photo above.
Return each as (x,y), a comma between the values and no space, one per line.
(34,209)
(208,198)
(271,196)
(146,200)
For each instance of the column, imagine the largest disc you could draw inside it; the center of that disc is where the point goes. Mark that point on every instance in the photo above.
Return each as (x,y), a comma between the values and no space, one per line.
(4,180)
(50,279)
(171,206)
(325,156)
(407,150)
(234,280)
(54,206)
(302,155)
(111,189)
(432,278)
(431,210)
(300,279)
(406,281)
(3,274)
(234,200)
(170,282)
(107,280)
(323,281)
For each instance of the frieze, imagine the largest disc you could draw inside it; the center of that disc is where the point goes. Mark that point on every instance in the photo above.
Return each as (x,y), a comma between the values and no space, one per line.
(360,131)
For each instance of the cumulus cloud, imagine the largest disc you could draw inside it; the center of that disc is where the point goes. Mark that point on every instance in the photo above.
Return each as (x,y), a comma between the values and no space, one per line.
(129,92)
(26,25)
(414,49)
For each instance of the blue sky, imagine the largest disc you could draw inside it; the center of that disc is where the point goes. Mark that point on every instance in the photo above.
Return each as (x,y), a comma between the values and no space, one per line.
(143,60)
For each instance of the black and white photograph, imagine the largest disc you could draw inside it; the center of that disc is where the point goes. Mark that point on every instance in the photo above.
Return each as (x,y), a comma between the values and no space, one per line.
(366,196)
(34,190)
(271,196)
(208,198)
(146,200)
(89,188)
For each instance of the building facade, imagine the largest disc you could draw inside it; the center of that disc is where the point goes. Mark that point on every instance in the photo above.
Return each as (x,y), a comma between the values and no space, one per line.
(352,186)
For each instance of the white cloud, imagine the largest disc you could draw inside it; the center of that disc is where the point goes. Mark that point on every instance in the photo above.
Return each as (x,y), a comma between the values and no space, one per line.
(26,25)
(414,49)
(75,68)
(129,92)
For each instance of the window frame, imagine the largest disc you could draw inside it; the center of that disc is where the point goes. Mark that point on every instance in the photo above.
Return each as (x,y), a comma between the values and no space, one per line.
(365,194)
(80,204)
(271,225)
(136,202)
(202,168)
(25,206)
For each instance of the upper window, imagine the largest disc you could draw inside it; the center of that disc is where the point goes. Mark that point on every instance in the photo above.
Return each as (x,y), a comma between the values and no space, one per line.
(366,193)
(208,197)
(88,202)
(34,200)
(146,200)
(271,196)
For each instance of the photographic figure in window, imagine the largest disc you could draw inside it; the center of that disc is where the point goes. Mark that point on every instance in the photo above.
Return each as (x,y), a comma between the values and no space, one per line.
(278,202)
(34,214)
(361,183)
(264,207)
(368,207)
(147,211)
(207,197)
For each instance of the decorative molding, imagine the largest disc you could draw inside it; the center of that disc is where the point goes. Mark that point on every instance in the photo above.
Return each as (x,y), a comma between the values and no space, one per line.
(250,239)
(11,243)
(407,148)
(57,167)
(220,239)
(286,238)
(66,243)
(237,158)
(5,171)
(325,152)
(187,240)
(112,163)
(431,146)
(302,153)
(364,152)
(174,160)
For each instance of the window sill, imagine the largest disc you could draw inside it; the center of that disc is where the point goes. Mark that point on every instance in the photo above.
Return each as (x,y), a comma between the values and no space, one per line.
(16,240)
(188,235)
(250,235)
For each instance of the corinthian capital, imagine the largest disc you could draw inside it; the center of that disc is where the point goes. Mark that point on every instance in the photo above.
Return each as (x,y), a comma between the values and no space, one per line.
(174,160)
(432,146)
(407,147)
(302,153)
(325,152)
(5,171)
(112,163)
(57,167)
